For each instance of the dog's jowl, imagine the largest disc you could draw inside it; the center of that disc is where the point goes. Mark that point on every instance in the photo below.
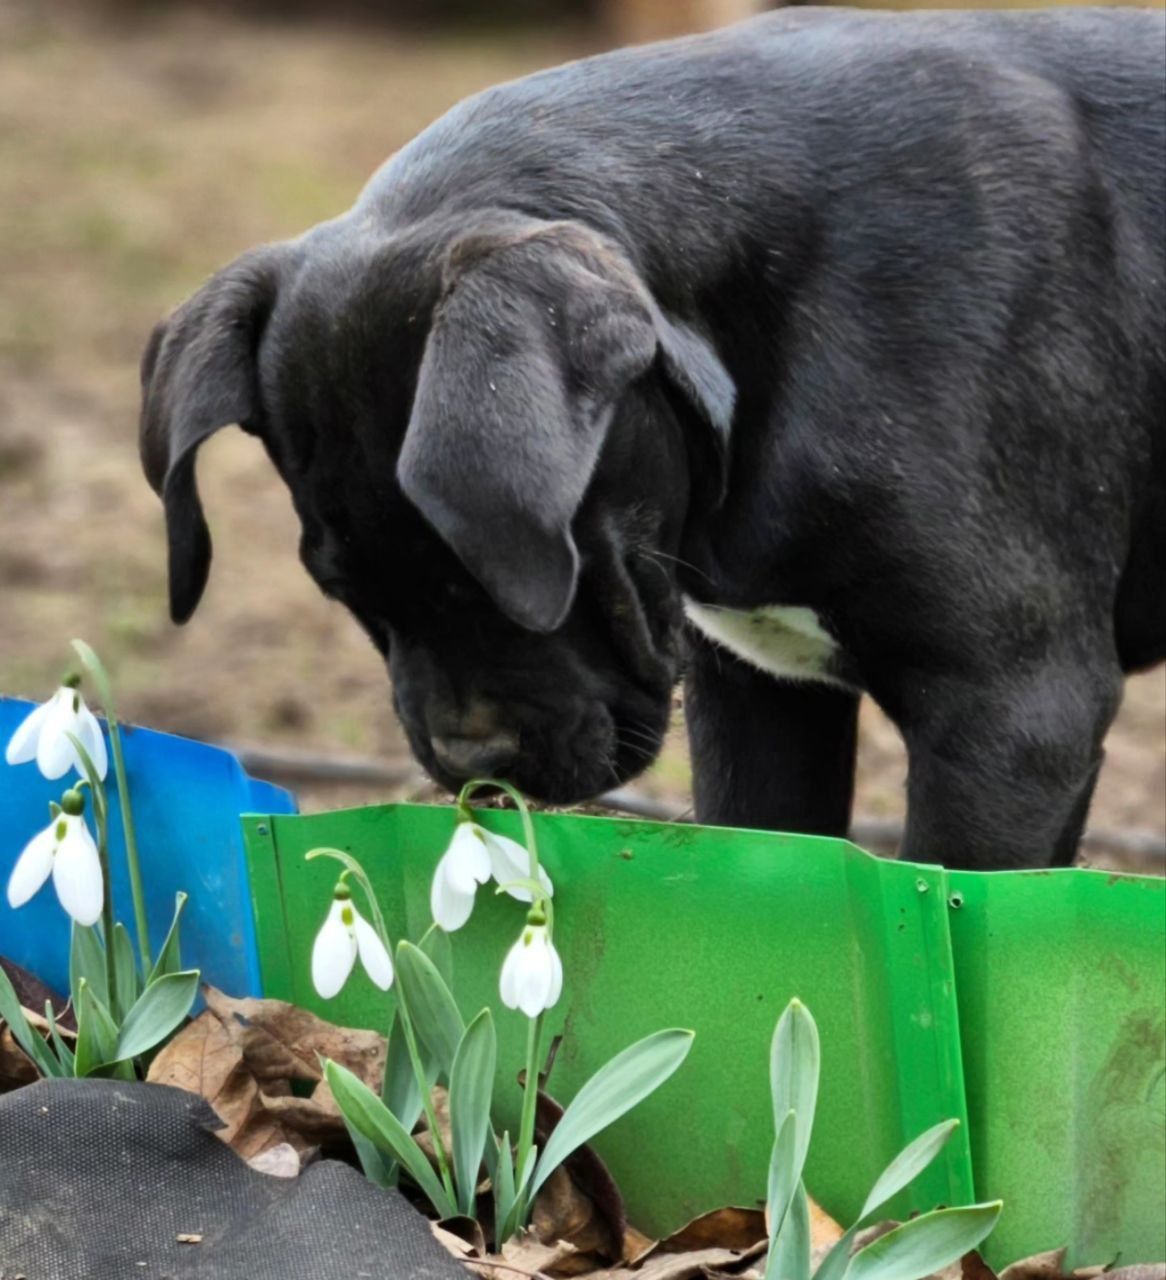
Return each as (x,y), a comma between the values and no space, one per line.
(816,357)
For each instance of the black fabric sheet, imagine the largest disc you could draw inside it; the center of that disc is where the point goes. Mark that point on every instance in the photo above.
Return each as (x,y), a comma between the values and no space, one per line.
(98,1179)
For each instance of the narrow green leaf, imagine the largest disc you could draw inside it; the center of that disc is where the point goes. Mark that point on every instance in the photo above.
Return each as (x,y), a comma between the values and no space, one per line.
(366,1113)
(170,957)
(158,1011)
(471,1088)
(399,1091)
(436,1020)
(379,1169)
(611,1092)
(502,1178)
(789,1255)
(794,1066)
(97,673)
(96,1033)
(524,1192)
(87,960)
(783,1177)
(833,1265)
(29,1040)
(63,1052)
(437,946)
(908,1164)
(125,973)
(924,1245)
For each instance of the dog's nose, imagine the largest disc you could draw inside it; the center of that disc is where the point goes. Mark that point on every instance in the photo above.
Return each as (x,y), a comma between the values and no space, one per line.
(476,757)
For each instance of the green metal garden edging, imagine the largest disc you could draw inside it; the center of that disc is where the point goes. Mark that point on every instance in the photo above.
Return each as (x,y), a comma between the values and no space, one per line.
(1032,1006)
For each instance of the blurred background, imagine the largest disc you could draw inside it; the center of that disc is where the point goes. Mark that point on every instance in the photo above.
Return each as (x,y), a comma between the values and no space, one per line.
(142,145)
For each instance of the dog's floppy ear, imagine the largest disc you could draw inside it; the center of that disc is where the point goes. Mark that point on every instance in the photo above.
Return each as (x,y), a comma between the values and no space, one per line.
(538,332)
(199,374)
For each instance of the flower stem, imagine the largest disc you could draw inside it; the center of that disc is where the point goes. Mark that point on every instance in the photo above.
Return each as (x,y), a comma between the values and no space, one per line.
(523,808)
(127,822)
(96,669)
(529,1095)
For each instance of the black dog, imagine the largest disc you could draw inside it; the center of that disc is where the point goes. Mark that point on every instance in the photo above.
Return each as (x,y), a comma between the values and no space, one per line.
(841,333)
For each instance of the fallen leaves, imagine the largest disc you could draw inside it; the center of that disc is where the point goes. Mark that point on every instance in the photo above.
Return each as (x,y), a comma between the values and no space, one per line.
(250,1059)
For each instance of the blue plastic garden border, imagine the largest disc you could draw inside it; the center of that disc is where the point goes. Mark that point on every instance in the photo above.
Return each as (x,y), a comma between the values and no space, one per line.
(187,800)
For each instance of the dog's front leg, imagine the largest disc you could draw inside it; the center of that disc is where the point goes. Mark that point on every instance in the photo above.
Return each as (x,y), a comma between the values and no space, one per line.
(1001,772)
(770,753)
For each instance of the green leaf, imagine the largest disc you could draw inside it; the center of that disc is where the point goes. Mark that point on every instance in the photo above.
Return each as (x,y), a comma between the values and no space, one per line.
(908,1164)
(125,973)
(157,1012)
(96,1033)
(789,1255)
(437,946)
(783,1177)
(63,1052)
(87,960)
(436,1020)
(29,1040)
(502,1178)
(97,673)
(833,1265)
(611,1092)
(524,1193)
(794,1065)
(377,1168)
(471,1088)
(924,1245)
(367,1114)
(399,1091)
(170,957)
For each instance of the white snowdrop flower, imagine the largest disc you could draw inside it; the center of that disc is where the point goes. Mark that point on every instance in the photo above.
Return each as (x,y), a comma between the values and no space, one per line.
(510,861)
(532,973)
(344,935)
(66,851)
(473,856)
(464,865)
(43,736)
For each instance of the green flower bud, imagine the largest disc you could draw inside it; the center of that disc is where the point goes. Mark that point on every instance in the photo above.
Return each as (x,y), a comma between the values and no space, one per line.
(73,802)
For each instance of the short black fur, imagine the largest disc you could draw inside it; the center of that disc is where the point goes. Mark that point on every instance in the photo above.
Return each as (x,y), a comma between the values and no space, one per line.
(857,312)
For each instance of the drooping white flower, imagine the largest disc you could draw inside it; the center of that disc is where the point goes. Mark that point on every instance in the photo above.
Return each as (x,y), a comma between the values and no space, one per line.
(43,736)
(344,935)
(532,973)
(473,856)
(463,866)
(510,861)
(66,850)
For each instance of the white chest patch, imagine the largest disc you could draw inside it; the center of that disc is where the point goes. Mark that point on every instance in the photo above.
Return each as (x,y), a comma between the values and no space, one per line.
(782,640)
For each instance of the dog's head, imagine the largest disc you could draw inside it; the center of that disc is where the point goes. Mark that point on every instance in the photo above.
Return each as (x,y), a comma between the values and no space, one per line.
(493,437)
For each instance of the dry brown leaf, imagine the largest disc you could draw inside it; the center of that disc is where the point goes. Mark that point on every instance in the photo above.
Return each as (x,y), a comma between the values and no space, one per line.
(592,1181)
(280,1161)
(16,1067)
(242,1055)
(1041,1266)
(204,1059)
(728,1228)
(559,1258)
(283,1042)
(562,1213)
(468,1230)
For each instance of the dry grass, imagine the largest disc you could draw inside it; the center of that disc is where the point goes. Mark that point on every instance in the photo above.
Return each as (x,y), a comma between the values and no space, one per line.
(132,163)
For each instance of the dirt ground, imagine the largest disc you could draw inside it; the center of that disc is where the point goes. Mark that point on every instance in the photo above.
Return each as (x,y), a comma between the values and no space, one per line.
(134,161)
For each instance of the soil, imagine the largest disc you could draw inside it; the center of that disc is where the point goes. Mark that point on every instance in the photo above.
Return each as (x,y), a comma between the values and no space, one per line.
(134,159)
